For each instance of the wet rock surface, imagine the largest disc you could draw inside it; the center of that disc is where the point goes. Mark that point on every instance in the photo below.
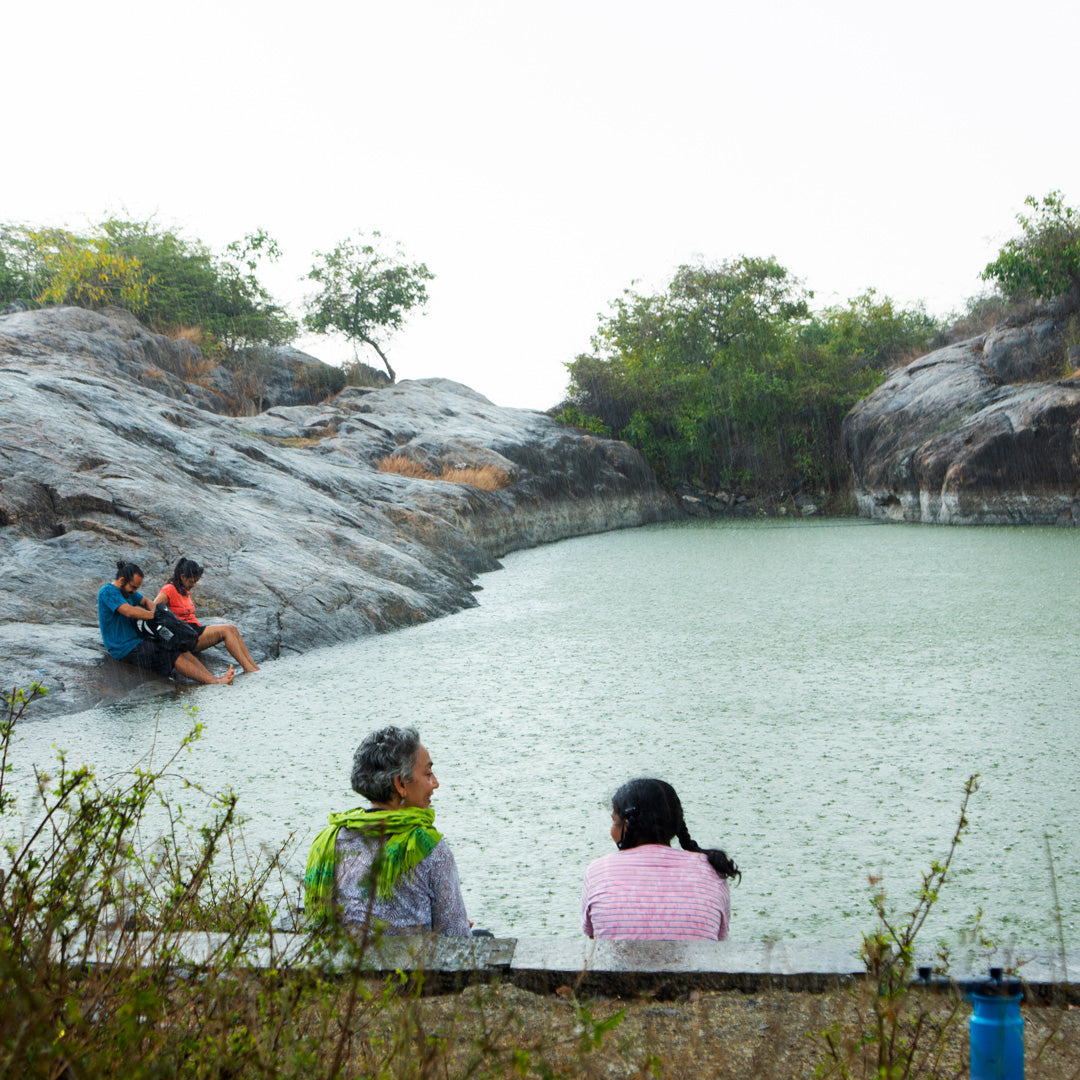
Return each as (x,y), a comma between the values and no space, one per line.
(974,433)
(110,449)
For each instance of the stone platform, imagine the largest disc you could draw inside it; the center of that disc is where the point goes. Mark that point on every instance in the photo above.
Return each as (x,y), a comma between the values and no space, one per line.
(608,967)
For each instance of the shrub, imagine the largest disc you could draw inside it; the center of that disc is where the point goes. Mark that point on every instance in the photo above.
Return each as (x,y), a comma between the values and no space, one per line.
(86,272)
(1044,261)
(168,281)
(728,378)
(899,1036)
(95,980)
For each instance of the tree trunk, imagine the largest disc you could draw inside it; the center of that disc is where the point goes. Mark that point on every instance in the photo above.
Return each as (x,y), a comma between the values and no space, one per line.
(382,357)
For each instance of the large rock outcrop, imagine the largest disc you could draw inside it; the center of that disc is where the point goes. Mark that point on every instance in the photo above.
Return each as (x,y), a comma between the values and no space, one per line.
(970,434)
(108,452)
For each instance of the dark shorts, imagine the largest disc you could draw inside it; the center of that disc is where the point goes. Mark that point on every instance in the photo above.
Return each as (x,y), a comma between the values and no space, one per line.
(153,655)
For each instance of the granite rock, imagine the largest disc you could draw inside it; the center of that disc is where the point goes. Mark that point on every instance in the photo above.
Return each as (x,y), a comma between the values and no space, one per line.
(973,433)
(109,450)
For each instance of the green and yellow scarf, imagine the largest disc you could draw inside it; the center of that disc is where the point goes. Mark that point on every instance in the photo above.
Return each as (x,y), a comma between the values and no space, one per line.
(408,836)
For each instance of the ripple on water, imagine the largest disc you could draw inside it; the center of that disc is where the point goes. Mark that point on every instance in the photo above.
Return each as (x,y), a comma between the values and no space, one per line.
(817,692)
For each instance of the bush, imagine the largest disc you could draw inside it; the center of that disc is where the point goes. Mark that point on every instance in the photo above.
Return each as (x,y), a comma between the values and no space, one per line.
(726,379)
(96,982)
(171,283)
(1044,261)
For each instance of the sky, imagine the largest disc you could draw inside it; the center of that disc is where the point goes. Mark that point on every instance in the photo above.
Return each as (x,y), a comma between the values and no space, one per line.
(542,158)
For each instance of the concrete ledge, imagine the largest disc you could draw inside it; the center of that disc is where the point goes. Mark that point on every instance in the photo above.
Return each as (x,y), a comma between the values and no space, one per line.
(632,966)
(601,967)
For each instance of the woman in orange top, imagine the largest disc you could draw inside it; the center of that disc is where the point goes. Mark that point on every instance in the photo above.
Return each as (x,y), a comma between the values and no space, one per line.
(176,593)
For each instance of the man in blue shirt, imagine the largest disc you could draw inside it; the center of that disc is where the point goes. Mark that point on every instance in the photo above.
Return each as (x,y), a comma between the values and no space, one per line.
(120,606)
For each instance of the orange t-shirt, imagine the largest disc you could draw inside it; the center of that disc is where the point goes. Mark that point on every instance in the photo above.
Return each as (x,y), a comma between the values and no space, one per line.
(183,607)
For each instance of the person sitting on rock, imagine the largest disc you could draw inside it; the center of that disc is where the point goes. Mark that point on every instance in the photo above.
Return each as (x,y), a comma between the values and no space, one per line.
(648,890)
(176,594)
(120,606)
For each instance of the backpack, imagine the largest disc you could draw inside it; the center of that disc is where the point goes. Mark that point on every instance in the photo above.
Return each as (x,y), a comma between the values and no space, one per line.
(167,628)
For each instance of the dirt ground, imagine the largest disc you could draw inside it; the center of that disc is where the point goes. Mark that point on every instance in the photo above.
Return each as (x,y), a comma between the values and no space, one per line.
(721,1034)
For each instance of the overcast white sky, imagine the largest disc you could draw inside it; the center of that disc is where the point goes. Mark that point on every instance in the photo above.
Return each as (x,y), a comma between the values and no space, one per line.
(540,158)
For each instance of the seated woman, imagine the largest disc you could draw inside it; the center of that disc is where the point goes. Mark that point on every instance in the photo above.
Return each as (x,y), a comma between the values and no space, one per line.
(391,844)
(647,889)
(176,595)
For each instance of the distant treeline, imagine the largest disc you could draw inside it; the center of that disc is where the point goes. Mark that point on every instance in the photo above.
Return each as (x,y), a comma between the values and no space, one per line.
(729,379)
(179,287)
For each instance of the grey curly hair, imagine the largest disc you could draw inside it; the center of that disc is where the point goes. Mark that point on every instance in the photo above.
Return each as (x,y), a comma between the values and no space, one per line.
(383,755)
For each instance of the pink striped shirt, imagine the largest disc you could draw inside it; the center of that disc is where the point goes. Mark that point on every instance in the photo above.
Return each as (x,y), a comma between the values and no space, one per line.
(655,892)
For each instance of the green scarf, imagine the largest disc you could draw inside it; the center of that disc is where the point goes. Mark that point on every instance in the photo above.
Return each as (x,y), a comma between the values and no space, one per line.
(408,836)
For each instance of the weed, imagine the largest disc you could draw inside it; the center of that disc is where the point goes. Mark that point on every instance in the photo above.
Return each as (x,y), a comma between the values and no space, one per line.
(99,976)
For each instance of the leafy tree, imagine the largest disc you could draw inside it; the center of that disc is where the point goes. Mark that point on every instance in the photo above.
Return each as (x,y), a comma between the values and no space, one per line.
(84,271)
(22,271)
(726,378)
(169,281)
(189,286)
(365,293)
(1044,261)
(871,329)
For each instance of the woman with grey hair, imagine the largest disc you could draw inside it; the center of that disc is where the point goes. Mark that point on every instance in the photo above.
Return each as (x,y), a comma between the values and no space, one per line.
(390,847)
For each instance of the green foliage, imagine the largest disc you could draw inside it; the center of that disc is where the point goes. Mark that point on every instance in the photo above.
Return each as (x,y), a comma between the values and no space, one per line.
(572,416)
(727,379)
(365,292)
(1044,261)
(87,272)
(871,330)
(191,287)
(170,282)
(97,902)
(22,269)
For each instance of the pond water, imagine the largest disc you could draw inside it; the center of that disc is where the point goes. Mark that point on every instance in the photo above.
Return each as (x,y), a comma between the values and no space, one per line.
(817,692)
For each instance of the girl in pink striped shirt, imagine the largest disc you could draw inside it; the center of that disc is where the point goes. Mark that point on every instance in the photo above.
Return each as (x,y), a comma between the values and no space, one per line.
(647,889)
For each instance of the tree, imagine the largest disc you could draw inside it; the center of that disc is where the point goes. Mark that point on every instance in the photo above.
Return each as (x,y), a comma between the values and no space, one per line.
(872,330)
(726,378)
(1044,262)
(189,286)
(170,282)
(364,292)
(22,272)
(84,271)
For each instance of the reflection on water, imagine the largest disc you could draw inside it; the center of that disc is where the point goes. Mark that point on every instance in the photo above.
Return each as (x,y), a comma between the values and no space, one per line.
(817,692)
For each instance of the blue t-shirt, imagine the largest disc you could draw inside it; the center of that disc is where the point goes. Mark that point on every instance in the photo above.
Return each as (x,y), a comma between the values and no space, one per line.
(118,632)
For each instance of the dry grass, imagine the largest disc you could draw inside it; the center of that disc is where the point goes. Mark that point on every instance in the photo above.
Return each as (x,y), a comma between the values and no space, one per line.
(705,1035)
(484,477)
(301,442)
(404,466)
(194,334)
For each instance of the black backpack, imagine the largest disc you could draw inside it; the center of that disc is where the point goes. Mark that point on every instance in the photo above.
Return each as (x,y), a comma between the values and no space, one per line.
(166,627)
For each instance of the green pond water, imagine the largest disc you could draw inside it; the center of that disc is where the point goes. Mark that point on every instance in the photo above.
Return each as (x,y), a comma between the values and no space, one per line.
(817,692)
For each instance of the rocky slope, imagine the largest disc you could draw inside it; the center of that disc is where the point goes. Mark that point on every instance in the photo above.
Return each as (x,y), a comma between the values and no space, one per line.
(974,433)
(108,450)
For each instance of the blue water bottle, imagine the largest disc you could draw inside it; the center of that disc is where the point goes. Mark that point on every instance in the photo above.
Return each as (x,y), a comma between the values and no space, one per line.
(997,1028)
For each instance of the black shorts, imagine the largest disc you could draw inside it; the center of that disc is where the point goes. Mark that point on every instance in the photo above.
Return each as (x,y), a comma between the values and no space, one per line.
(154,655)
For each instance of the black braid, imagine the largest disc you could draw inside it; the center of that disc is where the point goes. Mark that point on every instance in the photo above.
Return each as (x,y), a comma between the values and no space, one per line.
(652,814)
(718,859)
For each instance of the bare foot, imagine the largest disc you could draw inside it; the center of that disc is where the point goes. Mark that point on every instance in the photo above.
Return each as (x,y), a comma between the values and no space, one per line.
(254,667)
(228,676)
